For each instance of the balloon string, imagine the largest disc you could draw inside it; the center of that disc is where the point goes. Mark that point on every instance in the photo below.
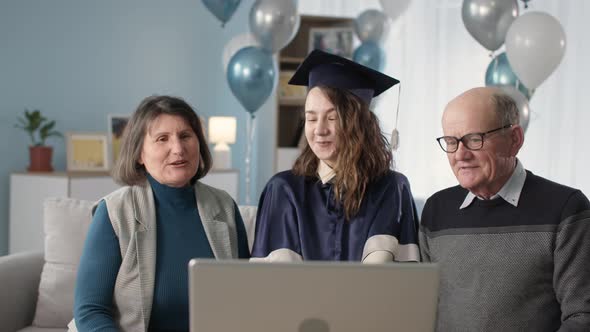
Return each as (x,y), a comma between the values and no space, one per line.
(250,140)
(496,66)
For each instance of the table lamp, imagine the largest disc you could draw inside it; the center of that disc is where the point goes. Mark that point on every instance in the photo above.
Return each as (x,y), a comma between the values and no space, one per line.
(222,131)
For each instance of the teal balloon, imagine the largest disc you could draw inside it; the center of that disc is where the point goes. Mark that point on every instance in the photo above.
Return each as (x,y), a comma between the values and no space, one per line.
(499,73)
(222,9)
(370,54)
(251,76)
(371,25)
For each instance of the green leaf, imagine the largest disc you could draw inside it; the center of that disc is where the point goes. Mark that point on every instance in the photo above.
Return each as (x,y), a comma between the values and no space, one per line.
(36,125)
(46,129)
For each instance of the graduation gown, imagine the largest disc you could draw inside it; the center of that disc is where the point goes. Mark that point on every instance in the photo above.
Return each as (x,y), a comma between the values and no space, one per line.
(298,219)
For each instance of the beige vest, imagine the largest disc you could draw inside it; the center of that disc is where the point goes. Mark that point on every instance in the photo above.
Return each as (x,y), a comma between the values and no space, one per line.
(133,216)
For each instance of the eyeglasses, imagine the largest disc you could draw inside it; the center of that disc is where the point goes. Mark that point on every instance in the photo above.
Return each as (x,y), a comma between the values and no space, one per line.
(473,141)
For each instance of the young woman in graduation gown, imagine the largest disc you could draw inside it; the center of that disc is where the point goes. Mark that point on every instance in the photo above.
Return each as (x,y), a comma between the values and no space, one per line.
(340,201)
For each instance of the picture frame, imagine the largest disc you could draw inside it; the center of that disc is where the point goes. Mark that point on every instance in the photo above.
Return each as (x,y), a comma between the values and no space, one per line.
(116,126)
(87,152)
(335,40)
(287,91)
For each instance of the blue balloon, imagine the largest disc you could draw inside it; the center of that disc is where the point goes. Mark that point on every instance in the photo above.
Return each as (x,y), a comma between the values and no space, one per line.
(369,54)
(499,73)
(222,9)
(251,76)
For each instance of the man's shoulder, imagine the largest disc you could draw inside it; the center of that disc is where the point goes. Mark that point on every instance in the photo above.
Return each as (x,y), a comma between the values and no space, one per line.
(539,182)
(441,206)
(441,209)
(455,194)
(565,200)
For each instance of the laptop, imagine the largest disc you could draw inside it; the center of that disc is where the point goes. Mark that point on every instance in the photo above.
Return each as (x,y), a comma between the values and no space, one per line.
(311,296)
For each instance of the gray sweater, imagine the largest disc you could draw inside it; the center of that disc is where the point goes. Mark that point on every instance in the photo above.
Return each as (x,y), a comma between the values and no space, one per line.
(506,268)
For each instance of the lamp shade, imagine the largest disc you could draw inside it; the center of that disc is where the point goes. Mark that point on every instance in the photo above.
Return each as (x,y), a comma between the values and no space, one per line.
(222,129)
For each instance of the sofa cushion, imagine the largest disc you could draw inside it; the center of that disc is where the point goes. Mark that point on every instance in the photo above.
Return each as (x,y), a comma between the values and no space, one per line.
(65,224)
(248,213)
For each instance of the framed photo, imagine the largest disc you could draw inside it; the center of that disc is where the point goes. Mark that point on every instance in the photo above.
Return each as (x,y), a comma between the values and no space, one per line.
(117,124)
(287,91)
(87,151)
(332,40)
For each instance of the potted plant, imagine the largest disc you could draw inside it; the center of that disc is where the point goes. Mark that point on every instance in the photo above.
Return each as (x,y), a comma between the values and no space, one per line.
(39,129)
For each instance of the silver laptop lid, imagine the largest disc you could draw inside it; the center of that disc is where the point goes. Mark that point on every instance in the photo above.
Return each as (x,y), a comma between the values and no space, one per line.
(311,296)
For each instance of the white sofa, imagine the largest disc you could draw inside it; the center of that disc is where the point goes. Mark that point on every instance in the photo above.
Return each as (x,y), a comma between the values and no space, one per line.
(37,288)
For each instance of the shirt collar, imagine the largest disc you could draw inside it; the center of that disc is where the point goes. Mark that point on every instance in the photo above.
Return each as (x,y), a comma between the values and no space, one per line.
(511,190)
(325,172)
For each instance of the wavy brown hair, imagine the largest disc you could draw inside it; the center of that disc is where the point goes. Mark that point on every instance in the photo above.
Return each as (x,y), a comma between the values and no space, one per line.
(363,153)
(127,170)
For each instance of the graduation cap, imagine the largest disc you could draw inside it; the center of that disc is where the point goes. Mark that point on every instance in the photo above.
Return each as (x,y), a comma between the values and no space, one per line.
(325,69)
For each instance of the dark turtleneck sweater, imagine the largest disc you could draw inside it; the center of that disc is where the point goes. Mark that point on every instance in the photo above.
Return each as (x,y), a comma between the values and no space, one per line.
(180,237)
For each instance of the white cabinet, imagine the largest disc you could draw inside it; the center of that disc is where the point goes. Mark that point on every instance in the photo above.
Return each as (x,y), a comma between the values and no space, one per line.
(29,190)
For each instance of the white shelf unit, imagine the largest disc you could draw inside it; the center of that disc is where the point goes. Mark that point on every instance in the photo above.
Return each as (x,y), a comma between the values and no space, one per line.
(29,190)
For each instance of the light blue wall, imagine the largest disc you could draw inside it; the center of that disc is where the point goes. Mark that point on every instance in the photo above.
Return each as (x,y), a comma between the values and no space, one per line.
(78,61)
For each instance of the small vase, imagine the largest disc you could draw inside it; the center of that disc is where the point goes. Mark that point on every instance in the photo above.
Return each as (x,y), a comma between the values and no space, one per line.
(40,159)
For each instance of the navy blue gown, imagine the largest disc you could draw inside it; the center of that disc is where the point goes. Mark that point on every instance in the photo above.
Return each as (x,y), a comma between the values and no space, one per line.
(298,219)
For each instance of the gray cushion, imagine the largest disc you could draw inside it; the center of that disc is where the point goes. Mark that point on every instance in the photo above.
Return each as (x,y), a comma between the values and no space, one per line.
(19,284)
(66,223)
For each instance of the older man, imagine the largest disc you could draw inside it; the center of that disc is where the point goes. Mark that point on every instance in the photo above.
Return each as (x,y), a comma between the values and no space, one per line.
(513,247)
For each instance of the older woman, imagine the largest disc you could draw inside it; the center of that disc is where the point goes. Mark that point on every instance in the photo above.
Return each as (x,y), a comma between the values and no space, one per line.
(340,201)
(133,273)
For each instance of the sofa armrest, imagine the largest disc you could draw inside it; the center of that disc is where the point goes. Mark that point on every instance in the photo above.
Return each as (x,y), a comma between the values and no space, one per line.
(19,285)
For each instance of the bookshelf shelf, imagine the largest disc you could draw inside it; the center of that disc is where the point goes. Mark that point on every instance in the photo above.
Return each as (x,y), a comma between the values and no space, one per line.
(292,101)
(291,60)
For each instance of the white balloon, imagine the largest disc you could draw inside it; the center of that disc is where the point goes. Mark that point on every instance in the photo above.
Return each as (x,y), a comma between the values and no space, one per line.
(234,45)
(394,8)
(535,45)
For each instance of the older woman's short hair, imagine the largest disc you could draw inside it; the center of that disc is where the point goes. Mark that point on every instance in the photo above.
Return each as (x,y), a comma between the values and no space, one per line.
(127,170)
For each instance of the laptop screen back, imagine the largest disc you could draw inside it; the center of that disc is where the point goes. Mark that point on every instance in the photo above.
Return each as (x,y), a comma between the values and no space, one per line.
(311,296)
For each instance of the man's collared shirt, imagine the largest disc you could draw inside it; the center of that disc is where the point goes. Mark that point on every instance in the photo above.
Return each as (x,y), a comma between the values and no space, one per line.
(511,190)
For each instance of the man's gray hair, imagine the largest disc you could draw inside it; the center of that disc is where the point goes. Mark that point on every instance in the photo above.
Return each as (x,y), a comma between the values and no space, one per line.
(506,108)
